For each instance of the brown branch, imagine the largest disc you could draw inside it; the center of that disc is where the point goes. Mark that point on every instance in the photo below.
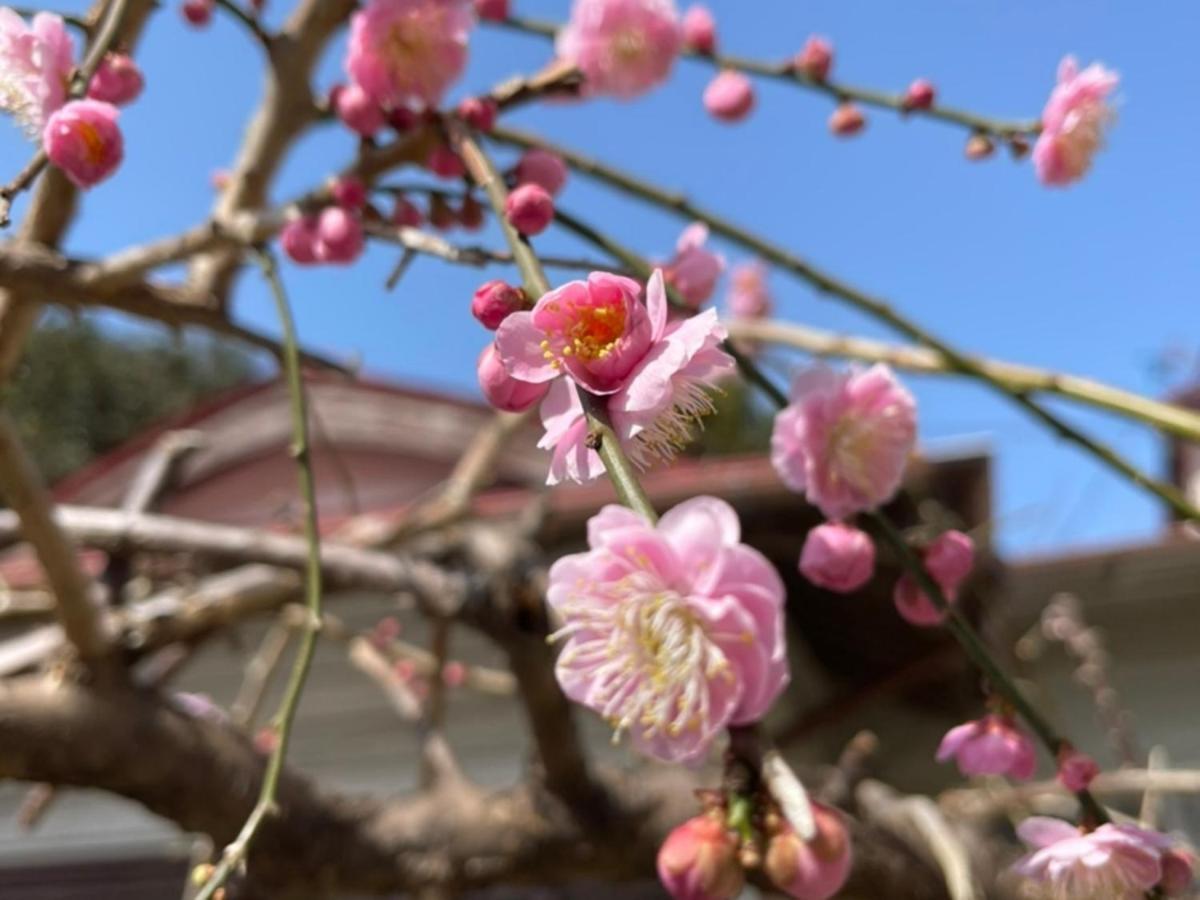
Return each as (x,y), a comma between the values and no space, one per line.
(154,475)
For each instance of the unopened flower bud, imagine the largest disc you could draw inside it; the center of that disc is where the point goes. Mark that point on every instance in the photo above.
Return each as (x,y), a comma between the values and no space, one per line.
(118,80)
(445,163)
(339,236)
(729,97)
(813,870)
(357,110)
(544,168)
(441,214)
(815,58)
(198,12)
(920,94)
(299,240)
(1018,146)
(470,213)
(979,146)
(406,213)
(1076,771)
(699,30)
(479,113)
(699,861)
(501,389)
(847,120)
(349,193)
(838,557)
(495,301)
(529,209)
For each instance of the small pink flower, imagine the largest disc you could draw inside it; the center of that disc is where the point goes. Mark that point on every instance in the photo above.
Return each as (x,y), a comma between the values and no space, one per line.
(408,52)
(479,113)
(35,67)
(339,236)
(812,870)
(993,745)
(349,192)
(694,270)
(357,109)
(729,96)
(1073,122)
(838,557)
(492,10)
(672,632)
(699,861)
(406,213)
(845,438)
(623,47)
(299,239)
(529,209)
(118,80)
(445,163)
(699,30)
(815,58)
(1116,862)
(920,94)
(541,167)
(198,12)
(84,140)
(749,296)
(948,560)
(501,389)
(1076,771)
(495,301)
(847,120)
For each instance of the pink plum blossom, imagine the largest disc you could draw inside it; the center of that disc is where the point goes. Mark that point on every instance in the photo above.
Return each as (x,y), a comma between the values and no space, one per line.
(699,30)
(408,52)
(812,870)
(815,58)
(1073,122)
(541,167)
(501,389)
(749,296)
(84,140)
(495,301)
(35,67)
(339,236)
(993,745)
(699,861)
(118,80)
(694,270)
(847,120)
(623,47)
(672,631)
(920,94)
(529,209)
(729,96)
(845,438)
(838,557)
(948,560)
(1076,770)
(357,109)
(1115,862)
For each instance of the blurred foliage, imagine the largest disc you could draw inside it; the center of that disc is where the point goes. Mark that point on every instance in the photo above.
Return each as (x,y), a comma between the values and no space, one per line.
(82,389)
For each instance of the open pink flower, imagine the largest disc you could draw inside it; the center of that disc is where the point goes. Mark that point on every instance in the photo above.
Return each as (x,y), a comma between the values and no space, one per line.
(993,745)
(1116,862)
(749,295)
(673,631)
(1073,122)
(406,53)
(35,67)
(84,140)
(694,270)
(623,47)
(845,438)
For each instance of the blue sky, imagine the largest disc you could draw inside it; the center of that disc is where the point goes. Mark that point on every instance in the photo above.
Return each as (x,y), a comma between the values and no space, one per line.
(1098,280)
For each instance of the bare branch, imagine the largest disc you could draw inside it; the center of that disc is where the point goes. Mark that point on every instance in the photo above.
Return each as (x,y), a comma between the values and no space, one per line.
(154,475)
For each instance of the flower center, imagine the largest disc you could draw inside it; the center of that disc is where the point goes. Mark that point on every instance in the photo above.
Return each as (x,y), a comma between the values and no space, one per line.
(93,143)
(589,333)
(406,46)
(629,45)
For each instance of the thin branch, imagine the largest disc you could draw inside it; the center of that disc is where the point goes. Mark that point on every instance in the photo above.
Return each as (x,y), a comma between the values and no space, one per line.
(154,475)
(23,489)
(250,22)
(259,672)
(235,853)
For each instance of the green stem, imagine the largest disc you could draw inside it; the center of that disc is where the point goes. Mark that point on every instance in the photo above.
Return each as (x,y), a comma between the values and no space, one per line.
(866,303)
(785,71)
(235,853)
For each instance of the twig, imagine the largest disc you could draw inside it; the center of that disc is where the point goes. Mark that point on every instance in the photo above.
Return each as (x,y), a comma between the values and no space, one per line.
(259,672)
(235,853)
(249,21)
(866,303)
(154,474)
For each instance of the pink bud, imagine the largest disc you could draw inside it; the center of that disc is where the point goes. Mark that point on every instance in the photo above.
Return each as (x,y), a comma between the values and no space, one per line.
(1178,872)
(470,214)
(699,861)
(699,30)
(406,213)
(441,216)
(815,870)
(198,12)
(949,559)
(445,163)
(979,146)
(356,109)
(542,167)
(403,119)
(1076,771)
(838,557)
(349,193)
(479,113)
(492,10)
(494,302)
(730,96)
(299,240)
(454,674)
(529,209)
(84,140)
(118,80)
(920,94)
(914,604)
(339,236)
(266,739)
(501,389)
(847,120)
(815,58)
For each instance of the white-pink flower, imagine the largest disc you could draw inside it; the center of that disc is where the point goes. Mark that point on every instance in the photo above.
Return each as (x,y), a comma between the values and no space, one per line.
(749,295)
(845,438)
(1073,122)
(35,68)
(1114,862)
(694,270)
(672,632)
(993,745)
(623,47)
(406,53)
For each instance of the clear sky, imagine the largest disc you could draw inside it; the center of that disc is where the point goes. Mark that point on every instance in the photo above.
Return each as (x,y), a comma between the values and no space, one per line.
(1099,280)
